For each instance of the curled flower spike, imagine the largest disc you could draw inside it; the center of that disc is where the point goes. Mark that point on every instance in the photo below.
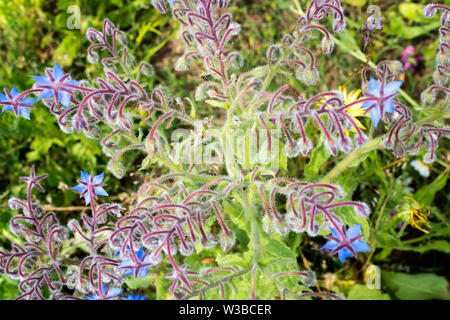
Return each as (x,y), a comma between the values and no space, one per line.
(106,293)
(90,184)
(346,243)
(384,101)
(16,102)
(56,84)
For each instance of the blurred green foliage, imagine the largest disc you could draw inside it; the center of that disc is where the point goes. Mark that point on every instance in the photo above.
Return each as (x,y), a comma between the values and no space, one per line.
(34,34)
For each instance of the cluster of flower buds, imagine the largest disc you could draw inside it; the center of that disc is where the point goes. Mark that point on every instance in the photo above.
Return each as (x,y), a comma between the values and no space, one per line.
(170,221)
(97,268)
(301,58)
(442,73)
(331,117)
(207,38)
(304,204)
(37,262)
(81,107)
(404,136)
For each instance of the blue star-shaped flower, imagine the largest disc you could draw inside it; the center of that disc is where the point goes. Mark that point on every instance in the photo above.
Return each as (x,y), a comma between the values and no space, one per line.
(93,183)
(348,244)
(56,84)
(137,266)
(385,99)
(135,297)
(19,106)
(106,293)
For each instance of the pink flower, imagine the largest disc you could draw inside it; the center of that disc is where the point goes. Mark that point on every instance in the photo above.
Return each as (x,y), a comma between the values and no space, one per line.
(408,58)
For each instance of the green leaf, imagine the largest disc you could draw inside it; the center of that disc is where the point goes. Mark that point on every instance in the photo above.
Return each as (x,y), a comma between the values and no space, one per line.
(422,286)
(439,245)
(356,3)
(361,292)
(135,283)
(218,104)
(412,11)
(425,195)
(318,158)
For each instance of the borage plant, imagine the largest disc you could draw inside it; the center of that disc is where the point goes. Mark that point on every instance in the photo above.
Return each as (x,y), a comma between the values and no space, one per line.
(217,192)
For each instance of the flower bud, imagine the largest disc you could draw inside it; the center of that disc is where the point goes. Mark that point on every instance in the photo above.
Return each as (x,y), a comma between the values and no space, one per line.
(267,224)
(295,223)
(307,76)
(147,69)
(93,132)
(314,229)
(331,146)
(291,151)
(310,279)
(305,146)
(362,210)
(182,64)
(93,57)
(280,226)
(360,139)
(399,149)
(429,157)
(440,78)
(227,241)
(429,11)
(273,53)
(396,67)
(209,242)
(117,169)
(327,45)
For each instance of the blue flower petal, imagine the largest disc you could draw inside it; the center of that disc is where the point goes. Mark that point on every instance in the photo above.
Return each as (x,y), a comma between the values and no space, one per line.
(140,253)
(374,87)
(353,231)
(114,292)
(330,245)
(42,80)
(335,233)
(58,73)
(24,112)
(3,98)
(87,198)
(171,2)
(360,246)
(64,98)
(85,176)
(367,104)
(375,115)
(46,94)
(7,108)
(72,82)
(143,272)
(99,178)
(15,92)
(392,87)
(389,106)
(79,188)
(344,254)
(126,264)
(100,191)
(28,101)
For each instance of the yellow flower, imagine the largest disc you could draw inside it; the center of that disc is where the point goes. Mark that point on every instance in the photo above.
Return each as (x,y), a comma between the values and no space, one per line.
(354,110)
(418,217)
